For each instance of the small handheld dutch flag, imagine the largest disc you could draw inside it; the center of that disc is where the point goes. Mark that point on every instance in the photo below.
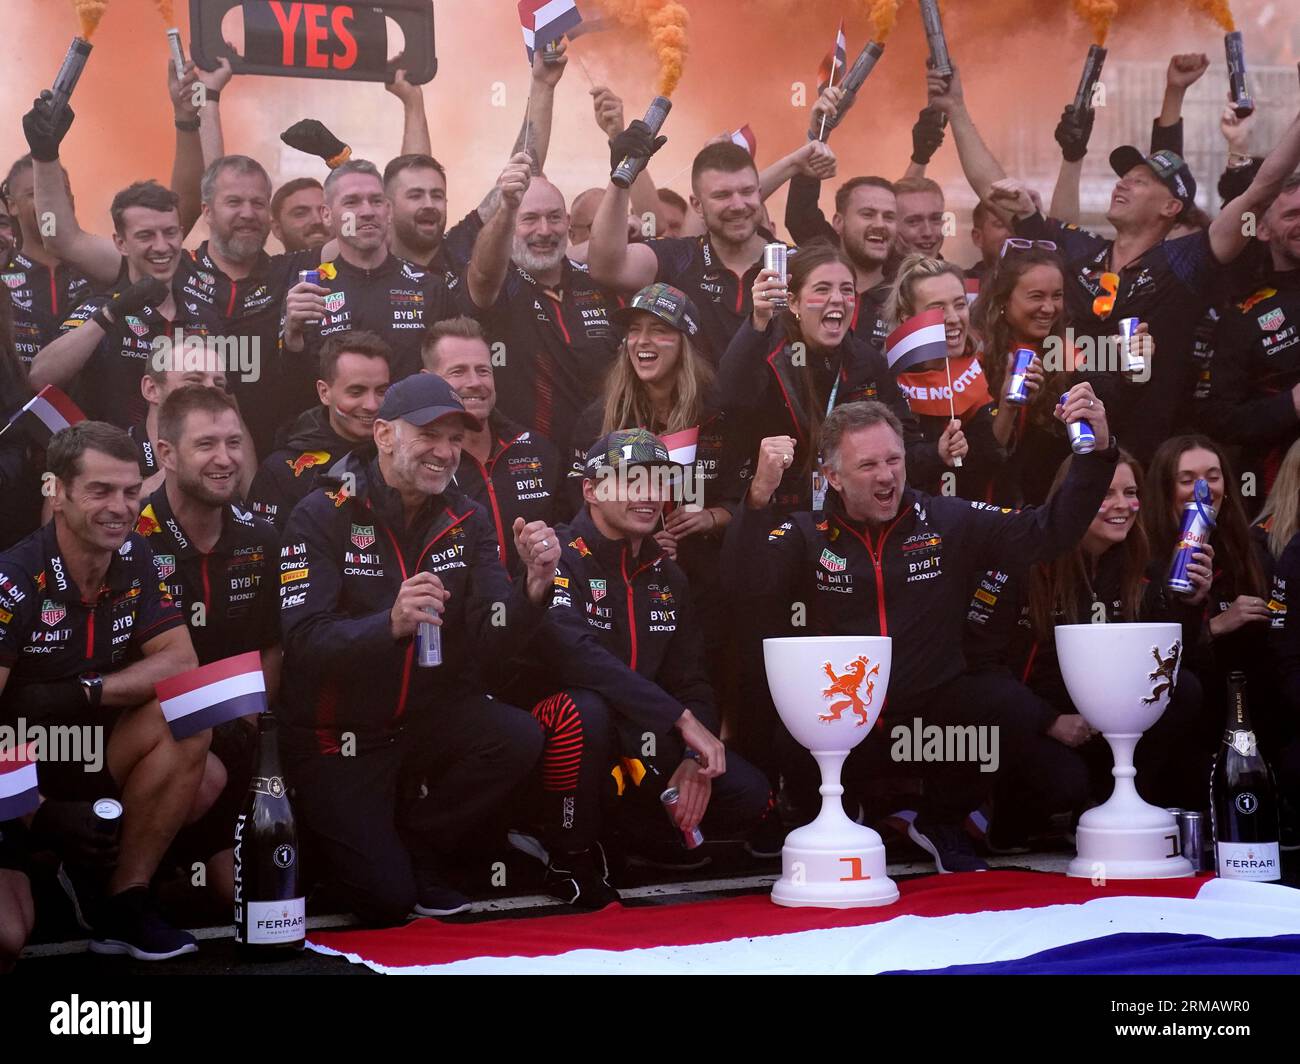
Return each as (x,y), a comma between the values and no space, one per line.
(545,21)
(18,783)
(47,412)
(744,138)
(918,339)
(682,446)
(213,694)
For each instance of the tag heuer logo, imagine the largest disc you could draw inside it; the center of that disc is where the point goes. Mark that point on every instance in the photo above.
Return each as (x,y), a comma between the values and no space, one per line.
(363,536)
(597,590)
(52,613)
(1272,321)
(13,280)
(166,565)
(832,562)
(136,325)
(334,301)
(205,277)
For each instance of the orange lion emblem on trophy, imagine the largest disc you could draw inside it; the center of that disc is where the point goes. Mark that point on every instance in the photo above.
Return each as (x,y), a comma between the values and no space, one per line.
(847,685)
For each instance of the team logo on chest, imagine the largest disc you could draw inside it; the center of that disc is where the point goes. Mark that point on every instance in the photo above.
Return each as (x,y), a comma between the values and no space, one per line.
(334,301)
(136,325)
(52,613)
(363,536)
(14,280)
(833,563)
(1272,321)
(165,564)
(597,590)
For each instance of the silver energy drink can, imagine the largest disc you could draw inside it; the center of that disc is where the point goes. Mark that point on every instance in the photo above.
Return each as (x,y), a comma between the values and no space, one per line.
(108,815)
(1082,438)
(1018,384)
(690,839)
(1190,838)
(1131,359)
(776,258)
(428,645)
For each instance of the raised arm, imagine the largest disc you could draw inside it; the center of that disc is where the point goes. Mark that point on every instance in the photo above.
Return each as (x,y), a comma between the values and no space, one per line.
(1228,231)
(977,162)
(1073,132)
(187,164)
(811,159)
(535,134)
(213,81)
(415,123)
(491,258)
(1184,71)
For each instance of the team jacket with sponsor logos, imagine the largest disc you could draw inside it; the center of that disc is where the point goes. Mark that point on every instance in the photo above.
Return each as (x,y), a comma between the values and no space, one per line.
(521,479)
(759,387)
(108,386)
(342,560)
(1256,364)
(396,299)
(823,574)
(50,630)
(620,624)
(235,582)
(290,474)
(41,298)
(557,345)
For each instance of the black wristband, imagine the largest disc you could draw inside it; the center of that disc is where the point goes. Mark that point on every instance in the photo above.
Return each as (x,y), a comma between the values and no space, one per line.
(100,318)
(211,95)
(190,126)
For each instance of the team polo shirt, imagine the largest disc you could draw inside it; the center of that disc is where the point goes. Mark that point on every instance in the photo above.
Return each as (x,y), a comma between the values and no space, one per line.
(41,299)
(235,582)
(51,630)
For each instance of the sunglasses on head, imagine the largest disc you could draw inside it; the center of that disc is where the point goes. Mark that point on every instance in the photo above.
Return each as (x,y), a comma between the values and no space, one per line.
(1103,305)
(1019,243)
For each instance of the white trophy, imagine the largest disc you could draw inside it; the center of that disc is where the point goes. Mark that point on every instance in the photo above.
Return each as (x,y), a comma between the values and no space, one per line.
(829,692)
(1120,678)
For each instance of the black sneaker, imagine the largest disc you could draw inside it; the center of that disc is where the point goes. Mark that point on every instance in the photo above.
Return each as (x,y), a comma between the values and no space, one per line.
(581,879)
(948,844)
(652,852)
(434,898)
(767,840)
(128,923)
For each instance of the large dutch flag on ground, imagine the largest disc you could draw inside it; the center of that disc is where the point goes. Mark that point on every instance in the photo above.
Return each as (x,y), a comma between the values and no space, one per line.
(999,922)
(18,783)
(544,21)
(918,339)
(47,412)
(213,694)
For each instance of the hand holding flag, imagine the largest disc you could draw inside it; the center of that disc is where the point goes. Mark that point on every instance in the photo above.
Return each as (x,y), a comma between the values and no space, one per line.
(213,694)
(544,21)
(46,413)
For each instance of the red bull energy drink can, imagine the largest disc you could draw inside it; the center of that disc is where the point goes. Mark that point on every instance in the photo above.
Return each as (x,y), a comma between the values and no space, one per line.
(1082,439)
(309,277)
(1197,527)
(428,645)
(690,839)
(1131,360)
(1018,385)
(776,257)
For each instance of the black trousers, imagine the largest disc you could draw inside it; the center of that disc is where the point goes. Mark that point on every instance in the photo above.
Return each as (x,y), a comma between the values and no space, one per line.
(584,740)
(375,822)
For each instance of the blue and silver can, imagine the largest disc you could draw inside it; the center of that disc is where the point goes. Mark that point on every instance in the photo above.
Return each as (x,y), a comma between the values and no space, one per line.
(1082,438)
(1197,527)
(309,277)
(1018,385)
(428,645)
(1131,360)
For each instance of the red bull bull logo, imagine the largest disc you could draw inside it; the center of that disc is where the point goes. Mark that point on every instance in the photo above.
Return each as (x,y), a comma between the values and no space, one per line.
(147,524)
(306,461)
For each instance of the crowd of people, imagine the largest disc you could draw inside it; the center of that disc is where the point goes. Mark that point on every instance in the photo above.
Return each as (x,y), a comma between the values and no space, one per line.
(479,427)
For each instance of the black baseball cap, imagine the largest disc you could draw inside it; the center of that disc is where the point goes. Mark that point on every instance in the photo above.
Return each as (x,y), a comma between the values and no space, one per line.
(670,305)
(423,398)
(1167,165)
(627,447)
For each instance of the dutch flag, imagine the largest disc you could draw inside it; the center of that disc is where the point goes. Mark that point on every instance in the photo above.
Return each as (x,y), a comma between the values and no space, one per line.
(544,21)
(682,446)
(918,339)
(213,694)
(18,784)
(46,413)
(744,138)
(834,62)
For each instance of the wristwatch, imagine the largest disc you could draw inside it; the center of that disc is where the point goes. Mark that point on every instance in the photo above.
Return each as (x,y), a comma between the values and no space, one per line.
(93,686)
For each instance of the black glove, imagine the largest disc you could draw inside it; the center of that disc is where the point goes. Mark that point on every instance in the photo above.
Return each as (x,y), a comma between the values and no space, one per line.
(145,293)
(75,833)
(43,130)
(1073,131)
(635,142)
(313,138)
(927,135)
(40,701)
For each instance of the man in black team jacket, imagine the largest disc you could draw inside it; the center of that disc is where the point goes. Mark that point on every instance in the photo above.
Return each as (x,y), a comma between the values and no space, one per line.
(884,559)
(394,766)
(620,643)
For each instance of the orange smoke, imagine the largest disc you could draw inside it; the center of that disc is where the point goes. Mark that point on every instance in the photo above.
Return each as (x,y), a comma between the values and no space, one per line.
(665,21)
(90,12)
(1099,14)
(1217,10)
(167,12)
(883,15)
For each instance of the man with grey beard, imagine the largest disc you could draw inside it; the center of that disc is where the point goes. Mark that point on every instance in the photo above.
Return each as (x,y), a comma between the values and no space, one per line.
(551,320)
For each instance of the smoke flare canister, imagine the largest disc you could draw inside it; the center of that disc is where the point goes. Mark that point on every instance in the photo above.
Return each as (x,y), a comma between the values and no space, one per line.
(1196,529)
(1131,359)
(428,645)
(862,67)
(1242,103)
(940,61)
(690,839)
(70,73)
(775,258)
(626,172)
(1018,383)
(1082,439)
(178,54)
(1091,75)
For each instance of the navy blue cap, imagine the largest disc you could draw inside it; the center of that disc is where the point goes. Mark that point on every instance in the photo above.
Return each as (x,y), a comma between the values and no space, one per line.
(423,398)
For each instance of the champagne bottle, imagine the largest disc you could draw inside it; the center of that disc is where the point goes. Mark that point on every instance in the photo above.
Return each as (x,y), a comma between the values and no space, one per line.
(270,916)
(1243,798)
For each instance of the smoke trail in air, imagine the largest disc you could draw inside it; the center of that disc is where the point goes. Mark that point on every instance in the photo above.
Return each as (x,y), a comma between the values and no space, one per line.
(90,12)
(1099,14)
(167,12)
(883,15)
(1217,10)
(665,23)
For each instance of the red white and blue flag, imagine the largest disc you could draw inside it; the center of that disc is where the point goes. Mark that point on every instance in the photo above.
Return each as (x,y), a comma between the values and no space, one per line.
(832,66)
(545,21)
(682,446)
(18,783)
(997,922)
(47,412)
(213,694)
(744,138)
(918,339)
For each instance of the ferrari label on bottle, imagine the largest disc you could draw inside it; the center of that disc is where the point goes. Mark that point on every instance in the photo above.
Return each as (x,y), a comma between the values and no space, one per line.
(273,922)
(1249,860)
